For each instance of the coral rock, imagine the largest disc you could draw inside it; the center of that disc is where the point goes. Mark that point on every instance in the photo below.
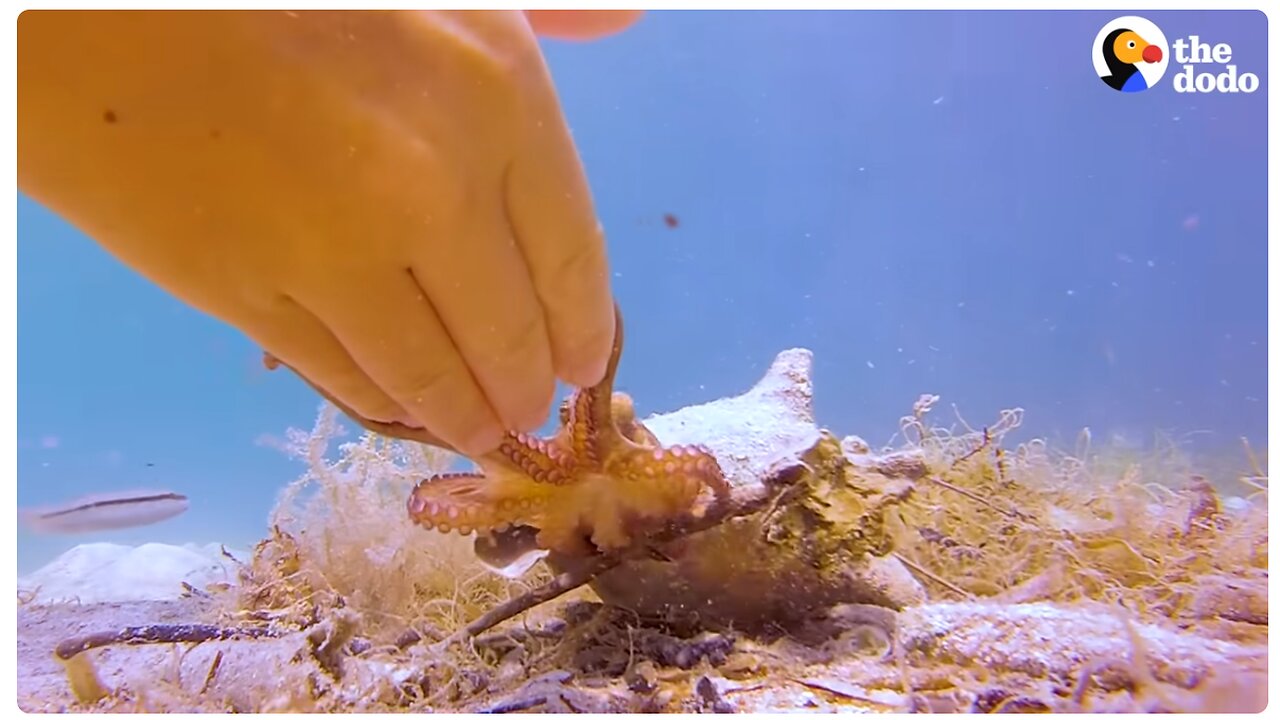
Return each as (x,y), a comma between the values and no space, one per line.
(820,546)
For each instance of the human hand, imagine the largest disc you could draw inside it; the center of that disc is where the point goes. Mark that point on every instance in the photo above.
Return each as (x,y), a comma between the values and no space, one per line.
(388,202)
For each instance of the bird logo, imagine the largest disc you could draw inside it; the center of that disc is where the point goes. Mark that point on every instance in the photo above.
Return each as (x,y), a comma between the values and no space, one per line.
(1130,54)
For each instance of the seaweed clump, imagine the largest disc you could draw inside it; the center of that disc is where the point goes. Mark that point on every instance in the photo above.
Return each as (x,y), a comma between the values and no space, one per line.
(1034,524)
(340,537)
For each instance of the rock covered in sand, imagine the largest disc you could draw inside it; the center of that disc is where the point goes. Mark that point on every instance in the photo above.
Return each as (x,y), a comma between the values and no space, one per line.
(760,569)
(110,572)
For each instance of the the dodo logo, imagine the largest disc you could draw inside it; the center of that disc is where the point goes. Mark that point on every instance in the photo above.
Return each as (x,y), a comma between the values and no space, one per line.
(1130,54)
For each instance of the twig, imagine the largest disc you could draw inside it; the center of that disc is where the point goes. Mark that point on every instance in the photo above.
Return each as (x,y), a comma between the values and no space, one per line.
(213,672)
(152,634)
(930,576)
(559,585)
(1016,515)
(986,443)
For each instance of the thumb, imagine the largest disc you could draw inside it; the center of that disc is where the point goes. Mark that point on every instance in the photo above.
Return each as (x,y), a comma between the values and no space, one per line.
(581,24)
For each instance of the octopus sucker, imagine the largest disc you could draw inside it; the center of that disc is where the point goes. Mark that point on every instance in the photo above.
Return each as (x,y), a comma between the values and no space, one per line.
(583,429)
(600,482)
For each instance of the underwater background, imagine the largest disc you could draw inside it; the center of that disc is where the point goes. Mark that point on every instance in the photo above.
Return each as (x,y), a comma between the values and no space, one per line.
(932,202)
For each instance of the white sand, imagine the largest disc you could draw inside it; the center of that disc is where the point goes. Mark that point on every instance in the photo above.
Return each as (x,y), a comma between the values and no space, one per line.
(108,572)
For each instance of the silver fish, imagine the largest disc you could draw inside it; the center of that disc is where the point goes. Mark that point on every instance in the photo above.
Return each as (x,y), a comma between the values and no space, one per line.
(106,511)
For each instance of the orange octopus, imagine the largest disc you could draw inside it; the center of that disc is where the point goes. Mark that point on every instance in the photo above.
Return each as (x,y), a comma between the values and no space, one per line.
(602,481)
(603,478)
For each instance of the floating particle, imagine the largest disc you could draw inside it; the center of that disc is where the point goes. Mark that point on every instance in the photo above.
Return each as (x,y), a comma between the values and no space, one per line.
(671,221)
(871,365)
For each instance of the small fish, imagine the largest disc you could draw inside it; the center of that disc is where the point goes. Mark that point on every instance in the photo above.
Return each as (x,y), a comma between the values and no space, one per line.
(107,511)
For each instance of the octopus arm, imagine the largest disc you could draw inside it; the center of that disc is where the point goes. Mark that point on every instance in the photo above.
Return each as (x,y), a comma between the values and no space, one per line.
(471,501)
(664,483)
(582,430)
(537,459)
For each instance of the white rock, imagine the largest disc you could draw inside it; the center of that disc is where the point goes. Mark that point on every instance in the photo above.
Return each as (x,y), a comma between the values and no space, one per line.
(730,574)
(109,572)
(748,432)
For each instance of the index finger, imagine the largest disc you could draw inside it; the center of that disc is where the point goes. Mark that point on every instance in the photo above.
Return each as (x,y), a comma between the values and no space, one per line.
(553,218)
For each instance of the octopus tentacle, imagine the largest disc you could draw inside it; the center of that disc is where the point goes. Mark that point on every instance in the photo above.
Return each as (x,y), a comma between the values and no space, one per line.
(542,461)
(583,429)
(591,429)
(669,478)
(472,501)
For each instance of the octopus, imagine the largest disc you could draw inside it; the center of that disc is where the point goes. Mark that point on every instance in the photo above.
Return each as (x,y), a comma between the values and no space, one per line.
(599,484)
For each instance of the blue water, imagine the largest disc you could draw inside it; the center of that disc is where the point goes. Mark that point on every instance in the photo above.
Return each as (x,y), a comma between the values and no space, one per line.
(950,203)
